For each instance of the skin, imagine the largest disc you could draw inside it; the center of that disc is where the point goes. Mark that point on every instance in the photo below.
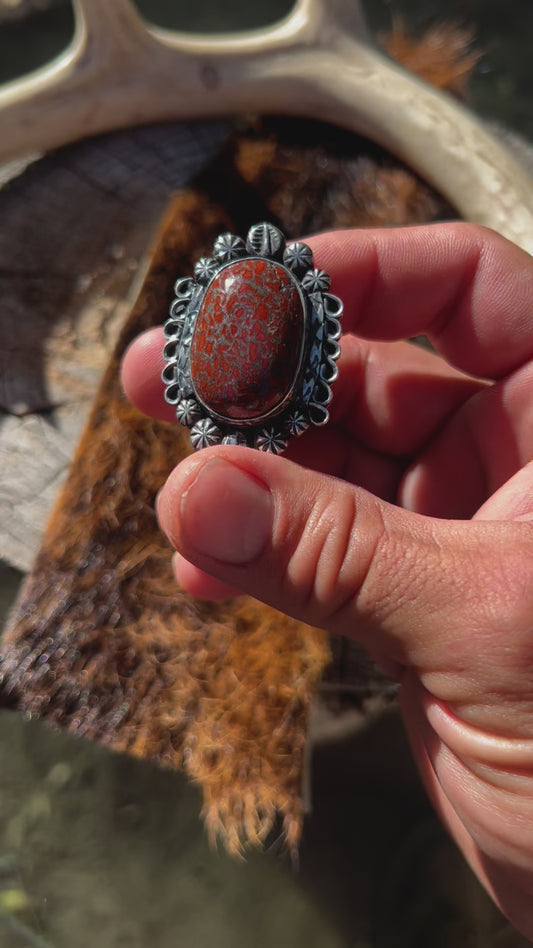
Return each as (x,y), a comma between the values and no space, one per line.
(406,523)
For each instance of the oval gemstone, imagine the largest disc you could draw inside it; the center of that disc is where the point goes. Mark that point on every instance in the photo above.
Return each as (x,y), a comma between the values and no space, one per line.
(247,339)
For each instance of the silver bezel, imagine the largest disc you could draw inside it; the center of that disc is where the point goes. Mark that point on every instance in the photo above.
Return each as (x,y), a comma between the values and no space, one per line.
(306,401)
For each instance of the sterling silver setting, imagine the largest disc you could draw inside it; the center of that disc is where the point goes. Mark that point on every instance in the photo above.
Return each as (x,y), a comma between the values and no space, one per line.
(305,402)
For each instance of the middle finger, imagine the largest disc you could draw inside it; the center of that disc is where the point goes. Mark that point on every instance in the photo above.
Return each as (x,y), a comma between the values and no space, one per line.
(394,396)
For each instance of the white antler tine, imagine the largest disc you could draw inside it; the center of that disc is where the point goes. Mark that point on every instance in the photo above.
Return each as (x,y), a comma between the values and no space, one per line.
(119,71)
(108,22)
(346,17)
(317,18)
(63,101)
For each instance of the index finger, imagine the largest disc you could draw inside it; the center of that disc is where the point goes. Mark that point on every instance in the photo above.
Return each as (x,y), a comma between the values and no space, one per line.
(465,287)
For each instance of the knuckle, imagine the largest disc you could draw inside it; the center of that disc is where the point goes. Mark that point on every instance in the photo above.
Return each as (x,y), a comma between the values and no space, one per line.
(342,560)
(404,567)
(320,568)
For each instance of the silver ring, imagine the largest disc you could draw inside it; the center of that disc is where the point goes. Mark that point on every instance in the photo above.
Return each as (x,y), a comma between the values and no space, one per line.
(252,342)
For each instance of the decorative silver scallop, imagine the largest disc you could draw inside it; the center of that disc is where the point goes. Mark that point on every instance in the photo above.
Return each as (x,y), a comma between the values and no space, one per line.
(183,287)
(333,329)
(322,393)
(318,414)
(332,348)
(329,372)
(179,307)
(236,437)
(332,306)
(173,394)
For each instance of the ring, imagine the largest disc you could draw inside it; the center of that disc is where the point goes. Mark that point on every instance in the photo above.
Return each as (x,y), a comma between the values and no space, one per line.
(252,342)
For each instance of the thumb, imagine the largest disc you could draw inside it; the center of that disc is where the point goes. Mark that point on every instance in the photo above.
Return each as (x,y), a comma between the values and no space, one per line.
(335,556)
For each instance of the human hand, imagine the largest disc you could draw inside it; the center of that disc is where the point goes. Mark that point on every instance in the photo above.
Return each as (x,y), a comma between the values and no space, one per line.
(406,523)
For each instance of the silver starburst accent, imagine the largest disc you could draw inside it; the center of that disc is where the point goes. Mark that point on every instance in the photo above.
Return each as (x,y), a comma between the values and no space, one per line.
(316,281)
(298,257)
(237,437)
(204,434)
(229,247)
(205,269)
(188,412)
(296,424)
(270,439)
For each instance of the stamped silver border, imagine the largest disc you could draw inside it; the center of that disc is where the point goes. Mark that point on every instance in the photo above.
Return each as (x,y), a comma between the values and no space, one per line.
(306,402)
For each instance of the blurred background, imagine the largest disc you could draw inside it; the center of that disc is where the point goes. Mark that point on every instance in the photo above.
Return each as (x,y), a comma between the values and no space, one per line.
(100,849)
(501,89)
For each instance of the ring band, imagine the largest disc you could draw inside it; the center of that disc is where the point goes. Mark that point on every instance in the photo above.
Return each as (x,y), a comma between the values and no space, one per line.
(252,341)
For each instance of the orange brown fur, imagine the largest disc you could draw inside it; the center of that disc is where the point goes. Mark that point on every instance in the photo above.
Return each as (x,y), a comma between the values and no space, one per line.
(443,56)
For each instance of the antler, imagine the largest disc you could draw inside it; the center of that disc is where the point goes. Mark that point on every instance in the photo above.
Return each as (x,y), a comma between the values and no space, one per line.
(120,72)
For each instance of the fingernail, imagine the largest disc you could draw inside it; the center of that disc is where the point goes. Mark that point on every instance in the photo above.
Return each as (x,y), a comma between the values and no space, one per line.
(226,514)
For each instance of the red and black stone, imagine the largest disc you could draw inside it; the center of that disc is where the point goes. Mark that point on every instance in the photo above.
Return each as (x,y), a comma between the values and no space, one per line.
(247,340)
